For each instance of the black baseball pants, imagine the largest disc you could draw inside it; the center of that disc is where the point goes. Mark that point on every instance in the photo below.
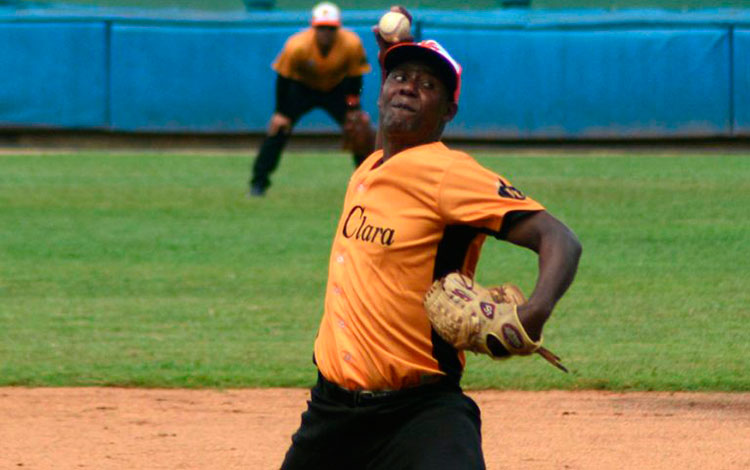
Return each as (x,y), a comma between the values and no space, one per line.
(428,427)
(301,101)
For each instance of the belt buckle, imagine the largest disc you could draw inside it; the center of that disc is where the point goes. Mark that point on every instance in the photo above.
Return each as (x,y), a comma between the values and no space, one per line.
(364,395)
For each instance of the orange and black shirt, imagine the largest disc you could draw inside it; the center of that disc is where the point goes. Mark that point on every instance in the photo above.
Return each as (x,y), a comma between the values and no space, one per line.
(300,60)
(423,213)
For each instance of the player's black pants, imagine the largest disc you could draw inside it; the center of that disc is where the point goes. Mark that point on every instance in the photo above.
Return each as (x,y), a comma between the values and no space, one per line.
(300,101)
(428,427)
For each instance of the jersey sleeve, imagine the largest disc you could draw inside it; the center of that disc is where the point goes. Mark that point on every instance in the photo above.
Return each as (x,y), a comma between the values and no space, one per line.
(284,63)
(473,195)
(358,65)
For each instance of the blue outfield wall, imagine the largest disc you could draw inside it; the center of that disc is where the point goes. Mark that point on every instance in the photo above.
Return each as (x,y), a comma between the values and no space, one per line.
(741,75)
(201,79)
(53,74)
(527,74)
(602,84)
(173,78)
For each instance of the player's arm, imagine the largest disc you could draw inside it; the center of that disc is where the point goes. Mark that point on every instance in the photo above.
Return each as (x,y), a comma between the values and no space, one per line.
(352,87)
(559,250)
(359,137)
(280,121)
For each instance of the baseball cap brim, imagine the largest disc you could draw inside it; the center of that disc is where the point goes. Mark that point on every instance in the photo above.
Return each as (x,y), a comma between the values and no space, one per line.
(335,23)
(431,53)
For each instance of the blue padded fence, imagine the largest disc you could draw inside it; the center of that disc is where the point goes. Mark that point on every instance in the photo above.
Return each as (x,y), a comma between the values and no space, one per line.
(53,74)
(741,82)
(633,83)
(527,74)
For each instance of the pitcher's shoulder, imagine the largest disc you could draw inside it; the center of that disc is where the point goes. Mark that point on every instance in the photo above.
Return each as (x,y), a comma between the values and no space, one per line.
(440,153)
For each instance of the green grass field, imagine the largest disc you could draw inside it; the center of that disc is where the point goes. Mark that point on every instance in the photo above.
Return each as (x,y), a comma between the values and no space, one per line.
(154,270)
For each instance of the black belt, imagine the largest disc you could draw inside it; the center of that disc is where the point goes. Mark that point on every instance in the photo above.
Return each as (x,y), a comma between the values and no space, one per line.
(374,397)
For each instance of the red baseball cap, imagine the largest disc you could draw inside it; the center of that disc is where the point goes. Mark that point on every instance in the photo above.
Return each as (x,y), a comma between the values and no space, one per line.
(326,14)
(431,52)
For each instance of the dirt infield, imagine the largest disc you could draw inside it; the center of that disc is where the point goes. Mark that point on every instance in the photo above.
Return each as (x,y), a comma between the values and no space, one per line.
(110,428)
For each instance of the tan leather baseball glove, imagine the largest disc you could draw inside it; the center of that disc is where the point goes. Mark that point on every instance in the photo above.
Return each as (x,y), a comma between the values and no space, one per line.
(469,316)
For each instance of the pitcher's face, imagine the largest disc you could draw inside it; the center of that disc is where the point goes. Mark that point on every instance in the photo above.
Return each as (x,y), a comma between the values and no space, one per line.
(414,101)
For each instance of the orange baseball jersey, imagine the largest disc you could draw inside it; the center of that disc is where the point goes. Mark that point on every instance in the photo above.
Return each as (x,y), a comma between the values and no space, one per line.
(423,213)
(302,61)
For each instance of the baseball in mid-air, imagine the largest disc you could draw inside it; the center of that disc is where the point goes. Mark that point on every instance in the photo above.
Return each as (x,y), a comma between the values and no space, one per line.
(394,27)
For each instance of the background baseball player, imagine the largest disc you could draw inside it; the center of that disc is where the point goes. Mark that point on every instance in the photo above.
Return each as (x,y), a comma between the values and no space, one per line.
(388,393)
(320,67)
